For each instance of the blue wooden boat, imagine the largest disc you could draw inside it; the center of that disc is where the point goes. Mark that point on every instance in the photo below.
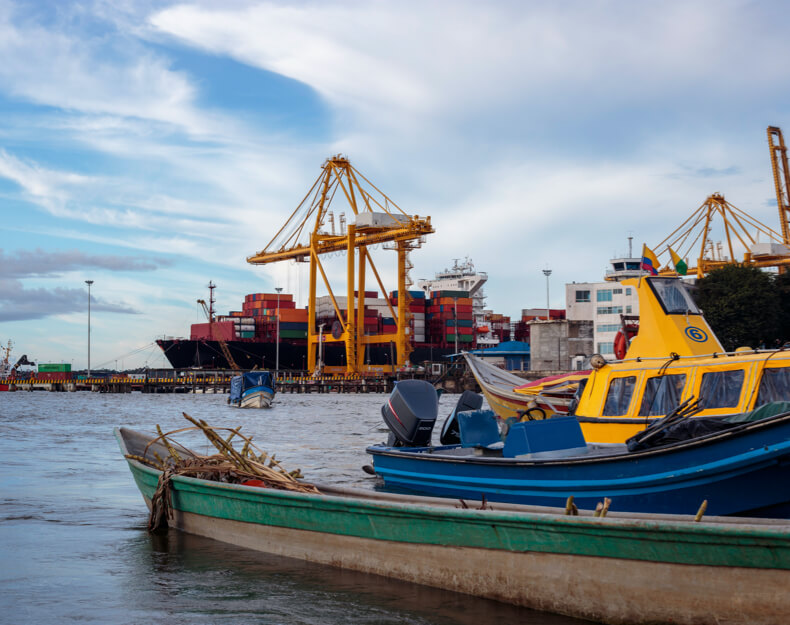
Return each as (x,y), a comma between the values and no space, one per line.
(254,389)
(740,465)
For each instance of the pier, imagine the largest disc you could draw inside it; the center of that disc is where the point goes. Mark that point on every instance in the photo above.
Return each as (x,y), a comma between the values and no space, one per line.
(453,379)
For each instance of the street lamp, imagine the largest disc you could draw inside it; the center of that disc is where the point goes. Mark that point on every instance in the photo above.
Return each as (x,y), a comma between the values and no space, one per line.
(319,367)
(547,273)
(455,314)
(277,348)
(89,282)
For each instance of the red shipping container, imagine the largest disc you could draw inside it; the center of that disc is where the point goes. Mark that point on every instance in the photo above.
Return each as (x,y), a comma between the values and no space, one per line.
(53,375)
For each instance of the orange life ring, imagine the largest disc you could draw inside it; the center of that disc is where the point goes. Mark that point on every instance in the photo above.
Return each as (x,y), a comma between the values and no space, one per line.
(620,345)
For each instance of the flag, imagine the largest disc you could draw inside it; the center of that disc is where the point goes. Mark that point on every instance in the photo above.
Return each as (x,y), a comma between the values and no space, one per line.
(680,265)
(649,261)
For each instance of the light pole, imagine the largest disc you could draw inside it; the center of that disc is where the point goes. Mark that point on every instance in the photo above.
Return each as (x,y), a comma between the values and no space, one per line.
(320,364)
(277,348)
(455,314)
(547,273)
(89,282)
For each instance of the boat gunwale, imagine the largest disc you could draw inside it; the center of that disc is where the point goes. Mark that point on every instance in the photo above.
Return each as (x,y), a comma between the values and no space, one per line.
(515,514)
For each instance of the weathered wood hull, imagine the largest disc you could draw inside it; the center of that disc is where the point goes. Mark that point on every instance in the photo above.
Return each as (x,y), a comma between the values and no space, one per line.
(637,569)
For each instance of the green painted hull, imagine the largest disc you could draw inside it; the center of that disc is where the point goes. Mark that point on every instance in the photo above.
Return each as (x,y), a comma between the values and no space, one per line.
(600,567)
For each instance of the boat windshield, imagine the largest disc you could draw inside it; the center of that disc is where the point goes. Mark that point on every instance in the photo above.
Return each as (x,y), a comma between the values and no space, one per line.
(674,297)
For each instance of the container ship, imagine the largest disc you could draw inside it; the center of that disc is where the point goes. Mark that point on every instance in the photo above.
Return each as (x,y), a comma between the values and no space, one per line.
(439,324)
(447,315)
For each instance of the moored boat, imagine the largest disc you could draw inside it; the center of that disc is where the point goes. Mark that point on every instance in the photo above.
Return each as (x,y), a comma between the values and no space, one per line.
(253,389)
(674,356)
(614,569)
(737,465)
(510,396)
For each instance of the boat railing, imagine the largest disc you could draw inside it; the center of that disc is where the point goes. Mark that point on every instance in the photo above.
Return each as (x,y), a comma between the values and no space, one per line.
(699,356)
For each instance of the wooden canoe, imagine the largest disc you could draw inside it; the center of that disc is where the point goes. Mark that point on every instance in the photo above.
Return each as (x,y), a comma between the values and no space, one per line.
(630,569)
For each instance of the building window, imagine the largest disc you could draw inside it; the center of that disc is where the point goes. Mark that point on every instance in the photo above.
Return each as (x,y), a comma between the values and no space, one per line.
(627,310)
(617,291)
(610,310)
(606,348)
(582,296)
(608,327)
(604,295)
(628,291)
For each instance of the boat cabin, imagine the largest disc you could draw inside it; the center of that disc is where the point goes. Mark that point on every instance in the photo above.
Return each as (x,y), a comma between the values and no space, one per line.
(674,357)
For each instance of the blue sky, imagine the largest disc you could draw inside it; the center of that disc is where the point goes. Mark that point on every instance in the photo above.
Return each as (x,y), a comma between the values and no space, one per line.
(153,146)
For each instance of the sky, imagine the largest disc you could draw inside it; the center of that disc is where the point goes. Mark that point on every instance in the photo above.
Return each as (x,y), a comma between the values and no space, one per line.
(153,146)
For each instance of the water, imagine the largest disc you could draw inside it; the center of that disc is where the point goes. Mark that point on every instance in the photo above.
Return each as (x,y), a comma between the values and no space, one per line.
(74,546)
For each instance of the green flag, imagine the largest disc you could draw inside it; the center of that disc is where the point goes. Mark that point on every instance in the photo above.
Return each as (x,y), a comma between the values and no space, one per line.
(680,265)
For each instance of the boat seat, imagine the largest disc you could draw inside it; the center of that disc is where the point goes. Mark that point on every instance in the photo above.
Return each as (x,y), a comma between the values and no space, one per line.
(532,437)
(479,428)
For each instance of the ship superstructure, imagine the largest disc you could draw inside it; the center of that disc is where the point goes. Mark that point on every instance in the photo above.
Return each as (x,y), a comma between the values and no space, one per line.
(490,328)
(460,277)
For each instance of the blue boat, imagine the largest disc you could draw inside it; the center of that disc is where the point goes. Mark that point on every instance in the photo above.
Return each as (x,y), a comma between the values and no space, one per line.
(254,389)
(739,465)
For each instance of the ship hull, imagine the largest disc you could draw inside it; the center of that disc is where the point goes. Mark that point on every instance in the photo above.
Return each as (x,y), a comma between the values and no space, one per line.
(187,353)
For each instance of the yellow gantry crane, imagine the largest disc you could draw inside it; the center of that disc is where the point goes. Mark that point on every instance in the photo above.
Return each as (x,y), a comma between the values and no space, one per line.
(310,233)
(739,227)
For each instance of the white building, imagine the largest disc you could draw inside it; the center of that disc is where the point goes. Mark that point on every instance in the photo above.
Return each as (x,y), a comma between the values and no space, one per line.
(604,302)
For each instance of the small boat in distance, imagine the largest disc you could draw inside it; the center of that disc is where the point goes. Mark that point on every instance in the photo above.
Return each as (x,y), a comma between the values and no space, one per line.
(253,389)
(618,568)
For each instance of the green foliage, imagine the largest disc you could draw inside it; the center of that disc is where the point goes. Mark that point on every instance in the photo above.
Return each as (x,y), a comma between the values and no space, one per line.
(745,306)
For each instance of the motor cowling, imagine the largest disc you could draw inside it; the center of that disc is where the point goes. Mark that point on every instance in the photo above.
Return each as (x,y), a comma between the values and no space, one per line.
(410,412)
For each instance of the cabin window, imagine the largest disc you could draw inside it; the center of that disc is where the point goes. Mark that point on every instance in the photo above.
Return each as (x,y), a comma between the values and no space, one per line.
(674,297)
(774,386)
(662,395)
(721,389)
(619,396)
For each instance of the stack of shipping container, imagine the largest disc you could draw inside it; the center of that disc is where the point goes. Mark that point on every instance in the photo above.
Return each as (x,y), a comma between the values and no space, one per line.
(375,310)
(54,371)
(417,324)
(438,321)
(449,319)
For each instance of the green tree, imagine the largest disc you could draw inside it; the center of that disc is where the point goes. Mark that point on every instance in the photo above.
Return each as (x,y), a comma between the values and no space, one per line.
(742,305)
(782,282)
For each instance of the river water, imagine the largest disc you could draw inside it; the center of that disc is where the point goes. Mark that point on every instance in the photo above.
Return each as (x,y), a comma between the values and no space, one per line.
(74,546)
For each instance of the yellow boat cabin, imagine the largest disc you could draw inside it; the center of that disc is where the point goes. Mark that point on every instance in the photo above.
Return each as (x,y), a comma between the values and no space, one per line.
(674,357)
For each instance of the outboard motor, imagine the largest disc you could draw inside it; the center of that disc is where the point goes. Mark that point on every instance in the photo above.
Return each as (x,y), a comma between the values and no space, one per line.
(451,433)
(410,413)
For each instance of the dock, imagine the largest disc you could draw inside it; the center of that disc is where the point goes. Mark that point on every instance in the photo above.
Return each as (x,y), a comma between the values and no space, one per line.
(456,380)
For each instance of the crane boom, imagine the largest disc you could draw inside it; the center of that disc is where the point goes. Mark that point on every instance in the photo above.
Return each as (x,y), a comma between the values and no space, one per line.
(376,220)
(781,173)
